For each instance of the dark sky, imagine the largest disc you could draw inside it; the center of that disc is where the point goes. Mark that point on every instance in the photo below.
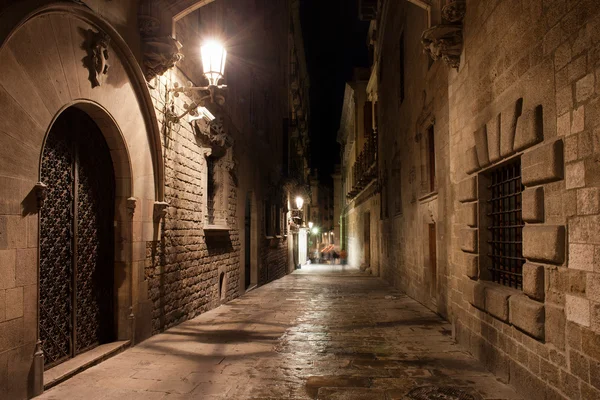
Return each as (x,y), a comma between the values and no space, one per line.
(335,42)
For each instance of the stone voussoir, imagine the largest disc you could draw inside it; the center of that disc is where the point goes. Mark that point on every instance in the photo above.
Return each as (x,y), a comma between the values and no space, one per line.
(533,205)
(530,129)
(467,190)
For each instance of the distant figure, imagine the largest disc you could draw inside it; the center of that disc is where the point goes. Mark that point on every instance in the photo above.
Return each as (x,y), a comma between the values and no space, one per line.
(343,257)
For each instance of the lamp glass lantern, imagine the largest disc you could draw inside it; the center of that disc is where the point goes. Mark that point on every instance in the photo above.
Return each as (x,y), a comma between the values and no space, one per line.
(299,202)
(310,225)
(213,61)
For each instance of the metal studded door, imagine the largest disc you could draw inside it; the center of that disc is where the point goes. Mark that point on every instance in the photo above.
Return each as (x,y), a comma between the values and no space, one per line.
(76,239)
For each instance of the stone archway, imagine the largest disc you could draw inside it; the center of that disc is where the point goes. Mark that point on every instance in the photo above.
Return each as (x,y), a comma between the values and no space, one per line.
(43,51)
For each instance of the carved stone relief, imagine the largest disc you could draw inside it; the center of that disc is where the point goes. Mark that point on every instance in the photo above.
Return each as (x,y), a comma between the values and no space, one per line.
(96,45)
(444,42)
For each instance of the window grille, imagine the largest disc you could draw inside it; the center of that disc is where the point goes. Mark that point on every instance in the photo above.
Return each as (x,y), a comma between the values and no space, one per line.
(506,225)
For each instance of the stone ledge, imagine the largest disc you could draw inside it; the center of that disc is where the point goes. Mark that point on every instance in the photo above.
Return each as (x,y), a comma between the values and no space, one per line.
(496,301)
(543,164)
(533,205)
(545,243)
(467,190)
(527,315)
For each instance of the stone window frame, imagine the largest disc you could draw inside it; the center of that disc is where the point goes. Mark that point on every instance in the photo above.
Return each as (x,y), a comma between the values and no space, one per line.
(515,131)
(428,155)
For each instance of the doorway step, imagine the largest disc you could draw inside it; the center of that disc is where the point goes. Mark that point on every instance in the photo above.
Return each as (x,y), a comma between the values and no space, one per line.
(80,363)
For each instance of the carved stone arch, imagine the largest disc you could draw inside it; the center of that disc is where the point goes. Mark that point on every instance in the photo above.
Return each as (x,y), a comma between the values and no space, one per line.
(42,73)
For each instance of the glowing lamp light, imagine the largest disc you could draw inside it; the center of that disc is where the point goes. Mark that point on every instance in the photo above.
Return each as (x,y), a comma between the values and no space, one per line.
(315,230)
(213,61)
(310,225)
(299,202)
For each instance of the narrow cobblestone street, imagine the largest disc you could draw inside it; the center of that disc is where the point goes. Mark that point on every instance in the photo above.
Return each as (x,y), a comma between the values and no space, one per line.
(323,332)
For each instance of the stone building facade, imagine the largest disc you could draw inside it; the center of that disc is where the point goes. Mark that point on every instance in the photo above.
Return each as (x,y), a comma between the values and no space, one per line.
(360,199)
(488,173)
(109,191)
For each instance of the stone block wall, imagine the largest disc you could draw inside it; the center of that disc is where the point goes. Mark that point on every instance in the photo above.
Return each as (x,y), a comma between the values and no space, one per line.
(527,88)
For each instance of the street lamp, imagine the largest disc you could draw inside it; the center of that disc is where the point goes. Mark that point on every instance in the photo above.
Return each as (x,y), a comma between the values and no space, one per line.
(213,56)
(299,202)
(310,225)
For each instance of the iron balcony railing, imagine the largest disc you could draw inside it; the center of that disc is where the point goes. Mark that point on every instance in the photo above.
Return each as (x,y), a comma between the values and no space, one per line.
(364,170)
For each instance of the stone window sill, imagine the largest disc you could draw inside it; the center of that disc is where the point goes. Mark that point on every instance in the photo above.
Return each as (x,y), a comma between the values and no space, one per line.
(216,228)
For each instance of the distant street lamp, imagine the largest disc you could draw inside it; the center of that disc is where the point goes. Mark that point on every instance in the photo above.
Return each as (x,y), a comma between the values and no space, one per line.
(310,225)
(299,202)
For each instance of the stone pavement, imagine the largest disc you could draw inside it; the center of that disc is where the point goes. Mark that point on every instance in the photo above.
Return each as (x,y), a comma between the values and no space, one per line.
(321,333)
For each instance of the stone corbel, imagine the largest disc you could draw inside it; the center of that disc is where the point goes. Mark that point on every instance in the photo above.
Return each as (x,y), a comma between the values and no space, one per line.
(444,42)
(161,51)
(131,204)
(41,193)
(160,210)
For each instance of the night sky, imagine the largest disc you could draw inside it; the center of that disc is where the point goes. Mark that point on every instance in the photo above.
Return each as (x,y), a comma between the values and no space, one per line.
(335,42)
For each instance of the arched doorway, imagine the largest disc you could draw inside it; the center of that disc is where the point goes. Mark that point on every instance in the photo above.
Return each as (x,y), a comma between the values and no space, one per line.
(76,239)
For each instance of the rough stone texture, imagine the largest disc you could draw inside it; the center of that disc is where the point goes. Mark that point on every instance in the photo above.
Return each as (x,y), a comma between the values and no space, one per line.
(471,161)
(533,205)
(469,214)
(481,146)
(372,343)
(471,265)
(588,201)
(543,164)
(555,325)
(530,129)
(496,302)
(467,190)
(468,240)
(533,281)
(575,175)
(527,315)
(578,310)
(544,243)
(581,257)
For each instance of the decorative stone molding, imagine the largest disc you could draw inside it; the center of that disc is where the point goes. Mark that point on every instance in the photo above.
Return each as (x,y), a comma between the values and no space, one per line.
(160,210)
(160,55)
(455,11)
(41,193)
(444,42)
(131,204)
(96,45)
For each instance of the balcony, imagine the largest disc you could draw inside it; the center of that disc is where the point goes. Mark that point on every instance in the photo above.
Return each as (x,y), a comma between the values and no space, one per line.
(364,170)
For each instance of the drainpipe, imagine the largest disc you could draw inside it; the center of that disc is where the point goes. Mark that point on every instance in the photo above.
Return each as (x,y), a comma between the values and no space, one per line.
(425,6)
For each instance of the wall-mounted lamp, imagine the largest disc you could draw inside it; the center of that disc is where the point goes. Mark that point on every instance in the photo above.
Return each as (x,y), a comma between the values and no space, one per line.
(299,202)
(213,62)
(310,225)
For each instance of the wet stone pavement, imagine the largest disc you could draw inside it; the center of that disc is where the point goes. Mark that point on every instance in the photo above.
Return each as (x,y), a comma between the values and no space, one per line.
(320,333)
